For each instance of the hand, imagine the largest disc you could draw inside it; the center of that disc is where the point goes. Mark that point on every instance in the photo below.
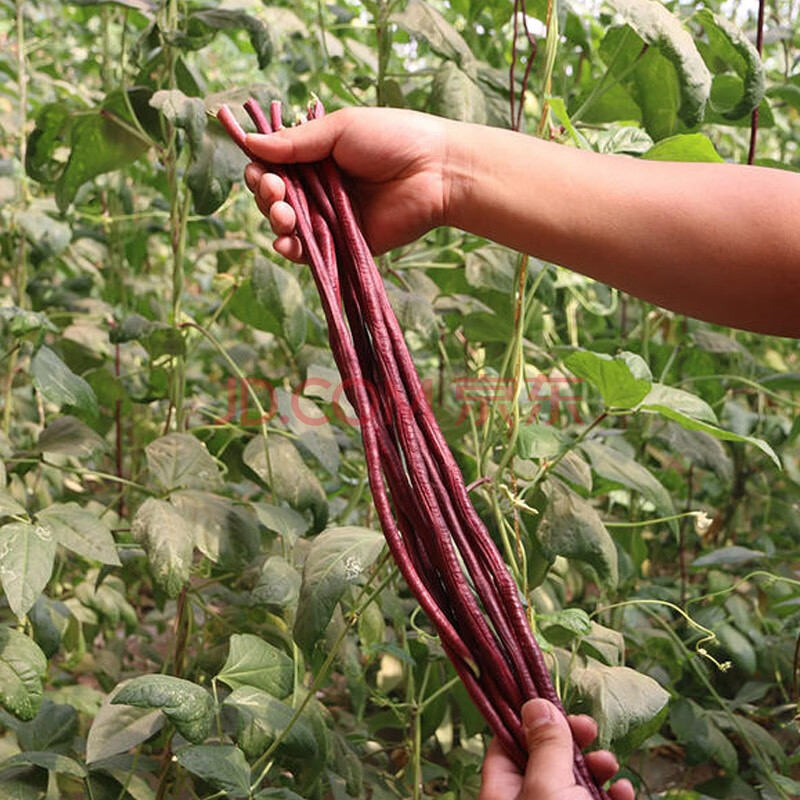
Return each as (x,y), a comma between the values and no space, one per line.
(393,162)
(548,775)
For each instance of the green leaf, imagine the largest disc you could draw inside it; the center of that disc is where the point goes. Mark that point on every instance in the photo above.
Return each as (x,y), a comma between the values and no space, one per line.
(623,380)
(116,729)
(80,531)
(572,528)
(660,28)
(26,563)
(338,557)
(253,662)
(291,479)
(55,762)
(491,267)
(54,728)
(168,542)
(9,505)
(731,43)
(314,433)
(421,19)
(278,584)
(188,113)
(679,400)
(108,600)
(538,441)
(102,140)
(202,25)
(615,466)
(188,706)
(284,521)
(263,718)
(52,125)
(181,461)
(48,235)
(224,531)
(719,433)
(60,385)
(456,96)
(684,147)
(70,436)
(733,555)
(223,766)
(215,164)
(22,669)
(272,300)
(623,702)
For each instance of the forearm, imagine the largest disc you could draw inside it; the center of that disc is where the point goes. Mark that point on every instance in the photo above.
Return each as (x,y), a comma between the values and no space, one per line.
(714,241)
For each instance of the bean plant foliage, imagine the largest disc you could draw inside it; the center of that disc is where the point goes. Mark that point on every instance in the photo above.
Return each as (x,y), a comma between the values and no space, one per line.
(197,600)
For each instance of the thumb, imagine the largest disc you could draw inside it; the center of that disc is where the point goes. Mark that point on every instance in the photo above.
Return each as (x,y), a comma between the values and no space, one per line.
(550,749)
(312,141)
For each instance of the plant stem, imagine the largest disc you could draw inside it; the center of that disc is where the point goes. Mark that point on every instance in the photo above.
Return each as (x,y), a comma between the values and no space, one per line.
(751,152)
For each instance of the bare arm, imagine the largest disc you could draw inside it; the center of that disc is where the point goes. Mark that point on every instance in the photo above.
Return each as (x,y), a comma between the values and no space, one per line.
(719,242)
(715,241)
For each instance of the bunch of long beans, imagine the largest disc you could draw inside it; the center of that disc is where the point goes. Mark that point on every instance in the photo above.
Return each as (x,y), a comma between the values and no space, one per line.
(436,537)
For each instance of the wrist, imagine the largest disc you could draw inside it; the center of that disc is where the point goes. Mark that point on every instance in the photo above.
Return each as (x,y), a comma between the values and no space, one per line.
(459,175)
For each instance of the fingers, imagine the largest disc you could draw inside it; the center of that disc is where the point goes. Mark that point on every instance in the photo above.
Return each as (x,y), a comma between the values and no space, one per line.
(602,764)
(501,778)
(550,750)
(584,729)
(312,141)
(622,790)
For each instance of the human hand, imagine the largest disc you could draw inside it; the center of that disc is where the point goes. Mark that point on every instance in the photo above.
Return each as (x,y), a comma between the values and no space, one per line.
(393,162)
(548,775)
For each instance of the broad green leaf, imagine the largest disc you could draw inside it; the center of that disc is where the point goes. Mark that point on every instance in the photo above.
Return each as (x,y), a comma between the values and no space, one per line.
(731,43)
(699,448)
(604,644)
(626,704)
(24,783)
(720,433)
(49,621)
(224,531)
(108,600)
(623,380)
(26,562)
(490,267)
(80,531)
(704,741)
(314,433)
(680,400)
(48,235)
(278,584)
(8,505)
(754,733)
(52,729)
(284,521)
(70,436)
(278,290)
(168,542)
(188,706)
(214,167)
(202,25)
(624,139)
(253,662)
(456,96)
(559,108)
(660,28)
(684,147)
(22,669)
(738,647)
(538,441)
(22,321)
(290,478)
(615,466)
(188,113)
(338,557)
(564,626)
(223,766)
(421,19)
(572,528)
(102,140)
(55,762)
(181,461)
(262,718)
(116,729)
(272,300)
(733,555)
(414,311)
(52,125)
(60,385)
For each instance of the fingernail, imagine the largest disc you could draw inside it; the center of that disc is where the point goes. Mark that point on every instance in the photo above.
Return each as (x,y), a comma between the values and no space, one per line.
(538,712)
